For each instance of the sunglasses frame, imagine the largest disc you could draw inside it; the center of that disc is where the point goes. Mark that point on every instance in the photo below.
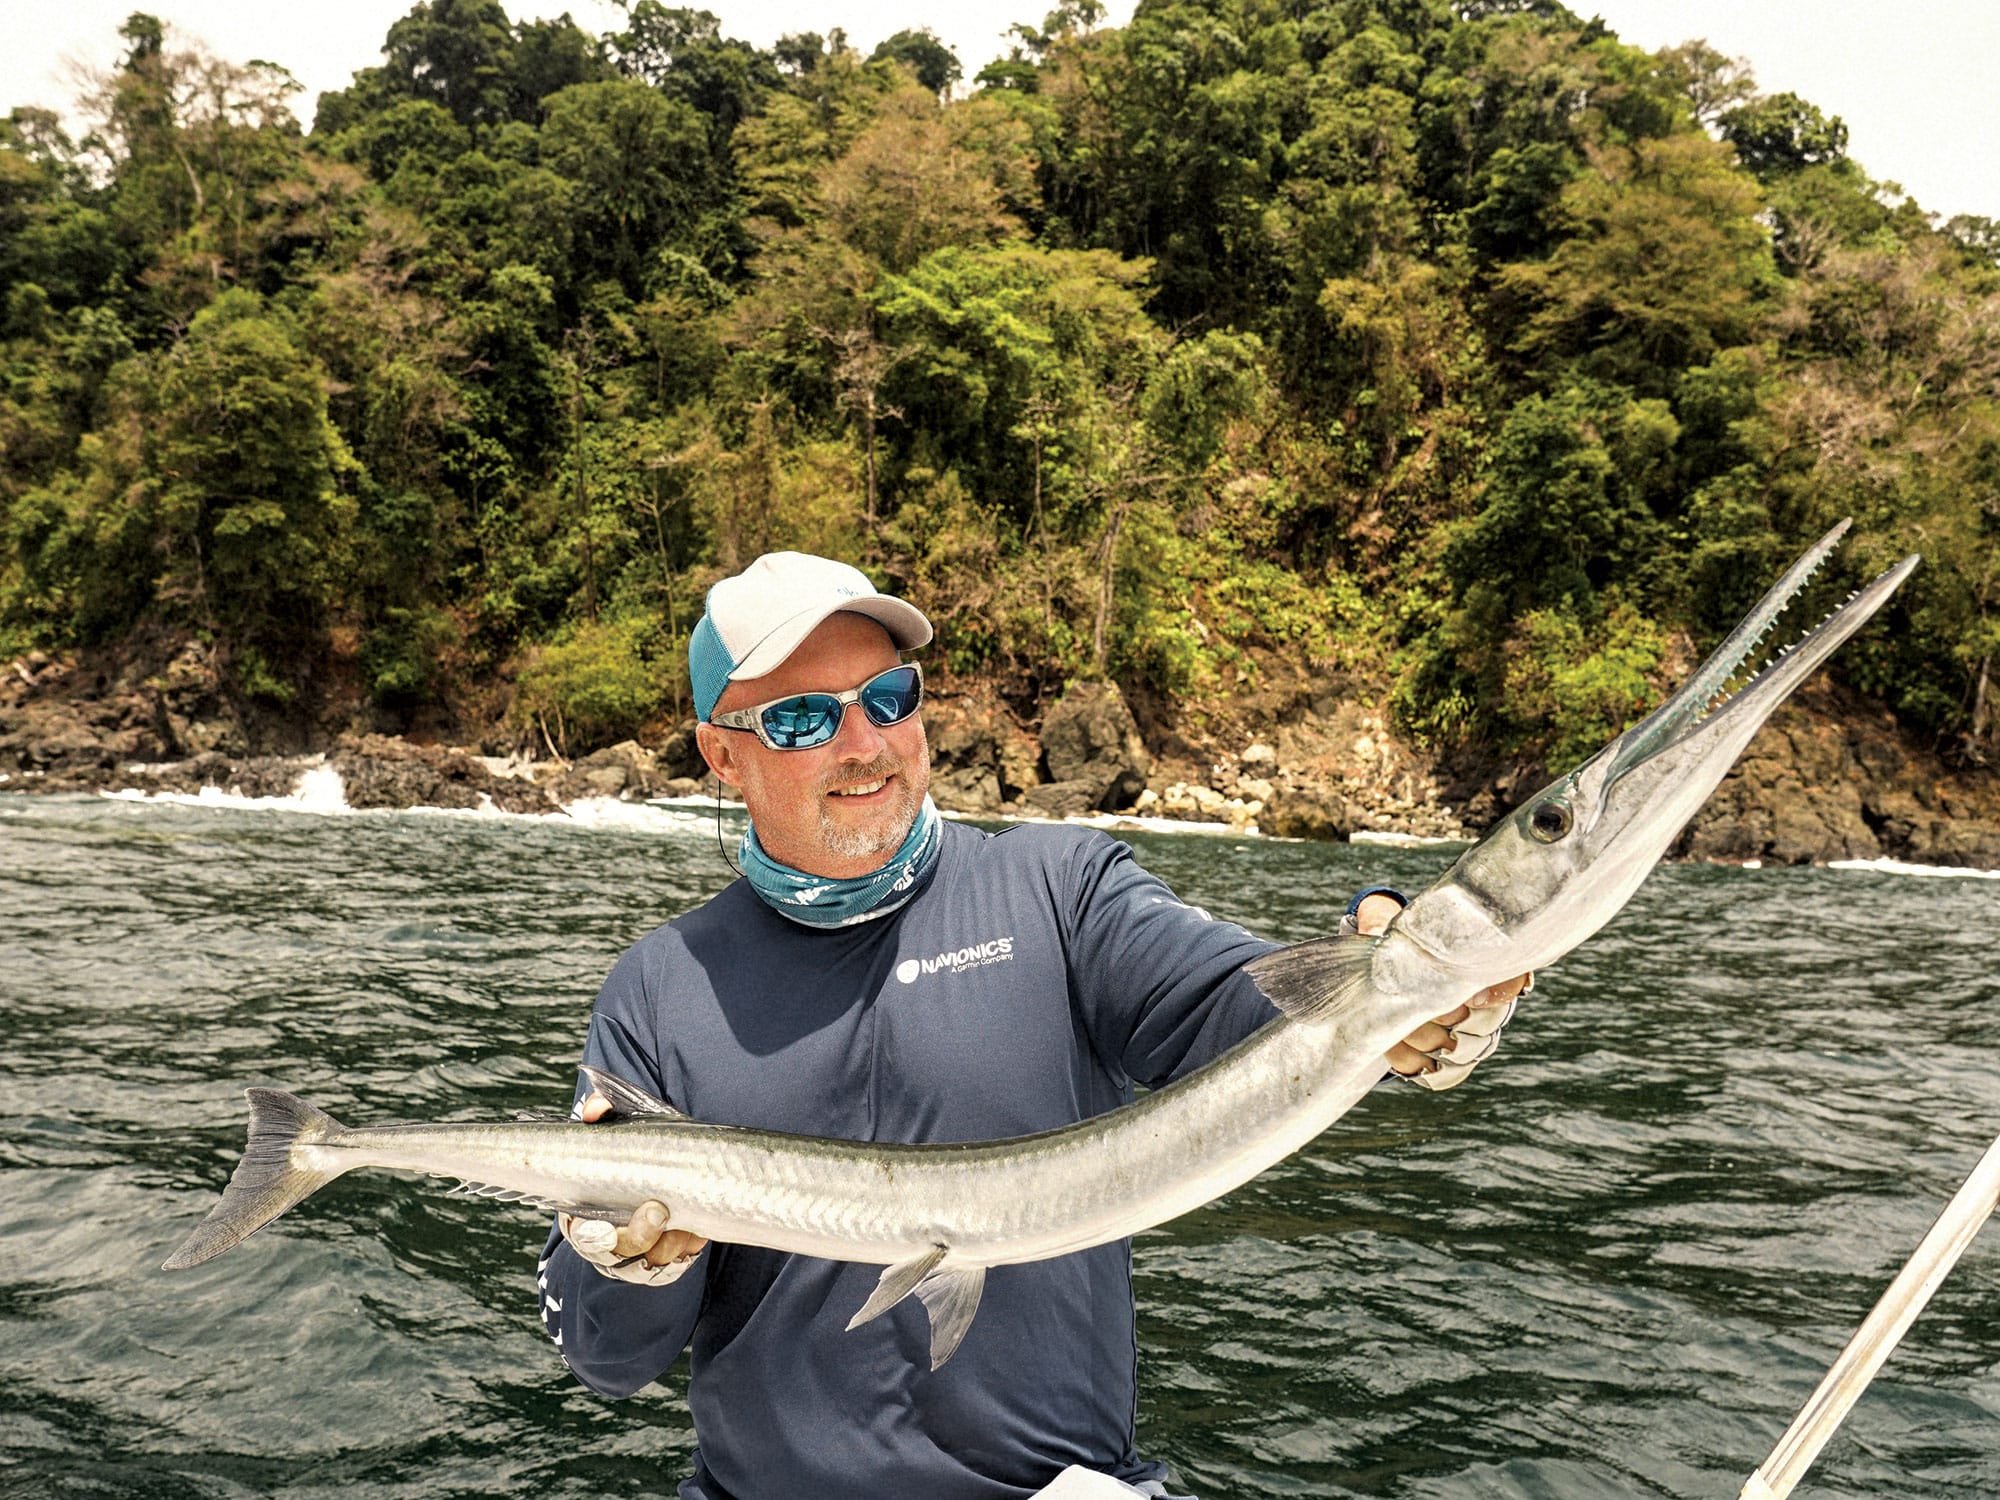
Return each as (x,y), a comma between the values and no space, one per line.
(751,720)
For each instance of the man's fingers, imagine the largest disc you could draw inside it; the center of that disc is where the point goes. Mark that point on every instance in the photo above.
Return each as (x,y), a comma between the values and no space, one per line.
(1506,990)
(1406,1060)
(594,1108)
(1412,1053)
(642,1231)
(1374,913)
(591,1236)
(675,1245)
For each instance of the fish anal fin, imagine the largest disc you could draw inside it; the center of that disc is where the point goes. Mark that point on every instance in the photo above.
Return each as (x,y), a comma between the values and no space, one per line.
(951,1298)
(897,1282)
(494,1194)
(491,1194)
(1320,980)
(626,1097)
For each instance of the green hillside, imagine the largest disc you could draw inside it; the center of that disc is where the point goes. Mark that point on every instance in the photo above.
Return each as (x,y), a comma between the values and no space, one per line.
(1460,350)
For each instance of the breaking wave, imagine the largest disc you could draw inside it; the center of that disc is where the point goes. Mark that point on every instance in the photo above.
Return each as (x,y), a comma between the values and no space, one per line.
(1899,867)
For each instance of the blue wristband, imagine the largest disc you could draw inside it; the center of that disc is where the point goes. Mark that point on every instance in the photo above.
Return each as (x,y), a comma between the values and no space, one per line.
(1354,906)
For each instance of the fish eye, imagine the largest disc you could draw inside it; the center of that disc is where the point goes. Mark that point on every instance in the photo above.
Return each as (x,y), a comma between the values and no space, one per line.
(1550,821)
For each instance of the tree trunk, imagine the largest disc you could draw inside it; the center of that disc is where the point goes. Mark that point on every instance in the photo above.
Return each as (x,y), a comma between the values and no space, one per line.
(582,494)
(868,452)
(1101,629)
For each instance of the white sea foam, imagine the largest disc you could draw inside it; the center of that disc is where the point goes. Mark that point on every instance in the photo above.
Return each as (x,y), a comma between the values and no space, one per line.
(1400,840)
(650,816)
(319,790)
(1899,867)
(1130,822)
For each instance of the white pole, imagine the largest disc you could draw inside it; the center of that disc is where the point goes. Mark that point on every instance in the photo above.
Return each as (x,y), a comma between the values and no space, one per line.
(1914,1285)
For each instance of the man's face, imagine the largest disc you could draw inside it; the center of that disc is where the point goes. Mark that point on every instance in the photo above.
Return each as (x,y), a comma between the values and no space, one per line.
(842,808)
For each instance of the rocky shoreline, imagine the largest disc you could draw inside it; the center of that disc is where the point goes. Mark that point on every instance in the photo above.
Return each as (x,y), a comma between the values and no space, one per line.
(1826,780)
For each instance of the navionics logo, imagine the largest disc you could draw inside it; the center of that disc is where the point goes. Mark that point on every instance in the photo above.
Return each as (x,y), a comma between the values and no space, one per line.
(972,956)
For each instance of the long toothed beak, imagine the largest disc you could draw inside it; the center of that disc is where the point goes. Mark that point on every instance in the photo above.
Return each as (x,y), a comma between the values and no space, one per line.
(1707,696)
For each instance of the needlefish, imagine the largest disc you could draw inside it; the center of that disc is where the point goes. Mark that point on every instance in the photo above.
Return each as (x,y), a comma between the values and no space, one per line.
(938,1217)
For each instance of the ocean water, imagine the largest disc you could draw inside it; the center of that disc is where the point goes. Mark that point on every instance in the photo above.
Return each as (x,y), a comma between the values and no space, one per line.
(1614,1264)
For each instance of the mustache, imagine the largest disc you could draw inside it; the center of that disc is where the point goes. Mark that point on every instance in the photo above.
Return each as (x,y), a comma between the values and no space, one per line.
(880,768)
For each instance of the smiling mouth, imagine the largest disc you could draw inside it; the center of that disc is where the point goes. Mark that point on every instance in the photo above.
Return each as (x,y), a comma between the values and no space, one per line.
(861,788)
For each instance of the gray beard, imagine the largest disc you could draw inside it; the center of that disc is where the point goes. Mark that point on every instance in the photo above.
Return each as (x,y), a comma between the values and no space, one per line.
(884,838)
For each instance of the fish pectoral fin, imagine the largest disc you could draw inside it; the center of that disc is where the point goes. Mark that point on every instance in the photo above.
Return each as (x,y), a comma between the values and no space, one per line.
(628,1098)
(1318,980)
(951,1298)
(897,1282)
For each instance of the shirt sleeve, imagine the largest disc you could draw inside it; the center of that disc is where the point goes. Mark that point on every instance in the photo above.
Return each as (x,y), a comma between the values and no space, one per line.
(1159,983)
(617,1337)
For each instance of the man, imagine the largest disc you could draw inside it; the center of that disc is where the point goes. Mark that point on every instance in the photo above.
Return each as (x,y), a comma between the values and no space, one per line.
(880,974)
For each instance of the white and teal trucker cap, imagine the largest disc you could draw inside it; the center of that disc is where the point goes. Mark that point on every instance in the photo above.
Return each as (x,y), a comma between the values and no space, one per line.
(758,618)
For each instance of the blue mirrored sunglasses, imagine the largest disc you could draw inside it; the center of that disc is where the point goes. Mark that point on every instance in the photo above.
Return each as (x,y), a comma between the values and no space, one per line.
(807,719)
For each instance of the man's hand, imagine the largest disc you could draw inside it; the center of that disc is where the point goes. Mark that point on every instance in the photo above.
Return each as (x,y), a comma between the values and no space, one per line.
(1469,1033)
(643,1251)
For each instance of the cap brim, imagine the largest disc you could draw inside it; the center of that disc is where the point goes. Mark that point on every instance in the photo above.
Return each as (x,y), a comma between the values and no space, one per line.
(906,625)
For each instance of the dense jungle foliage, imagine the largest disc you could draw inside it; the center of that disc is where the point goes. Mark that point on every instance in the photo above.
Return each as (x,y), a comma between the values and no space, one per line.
(1459,348)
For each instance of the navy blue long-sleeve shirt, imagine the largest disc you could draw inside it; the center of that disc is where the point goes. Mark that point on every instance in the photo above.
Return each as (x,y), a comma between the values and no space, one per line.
(1037,976)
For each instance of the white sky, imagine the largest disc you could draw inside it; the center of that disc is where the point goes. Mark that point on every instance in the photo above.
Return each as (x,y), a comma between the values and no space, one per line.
(1913,83)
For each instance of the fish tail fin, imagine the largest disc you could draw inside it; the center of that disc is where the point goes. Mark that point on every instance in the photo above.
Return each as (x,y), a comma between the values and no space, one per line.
(268,1180)
(1320,980)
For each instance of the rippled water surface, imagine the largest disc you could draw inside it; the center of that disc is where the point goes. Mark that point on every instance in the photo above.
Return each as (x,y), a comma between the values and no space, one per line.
(1613,1265)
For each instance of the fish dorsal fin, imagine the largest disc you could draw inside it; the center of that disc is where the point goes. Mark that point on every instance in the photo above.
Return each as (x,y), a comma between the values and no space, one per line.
(1321,980)
(949,1297)
(628,1098)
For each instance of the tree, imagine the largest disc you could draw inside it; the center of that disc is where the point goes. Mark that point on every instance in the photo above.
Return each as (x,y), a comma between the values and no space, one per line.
(920,178)
(684,55)
(549,56)
(934,64)
(1713,84)
(1780,134)
(455,53)
(643,178)
(1665,264)
(248,466)
(1009,346)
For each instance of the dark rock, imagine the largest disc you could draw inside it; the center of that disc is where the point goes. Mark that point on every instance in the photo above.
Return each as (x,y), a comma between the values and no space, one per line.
(206,736)
(1089,738)
(1063,799)
(968,789)
(1973,842)
(979,756)
(1810,790)
(265,776)
(627,771)
(679,756)
(378,771)
(185,776)
(1308,812)
(1879,757)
